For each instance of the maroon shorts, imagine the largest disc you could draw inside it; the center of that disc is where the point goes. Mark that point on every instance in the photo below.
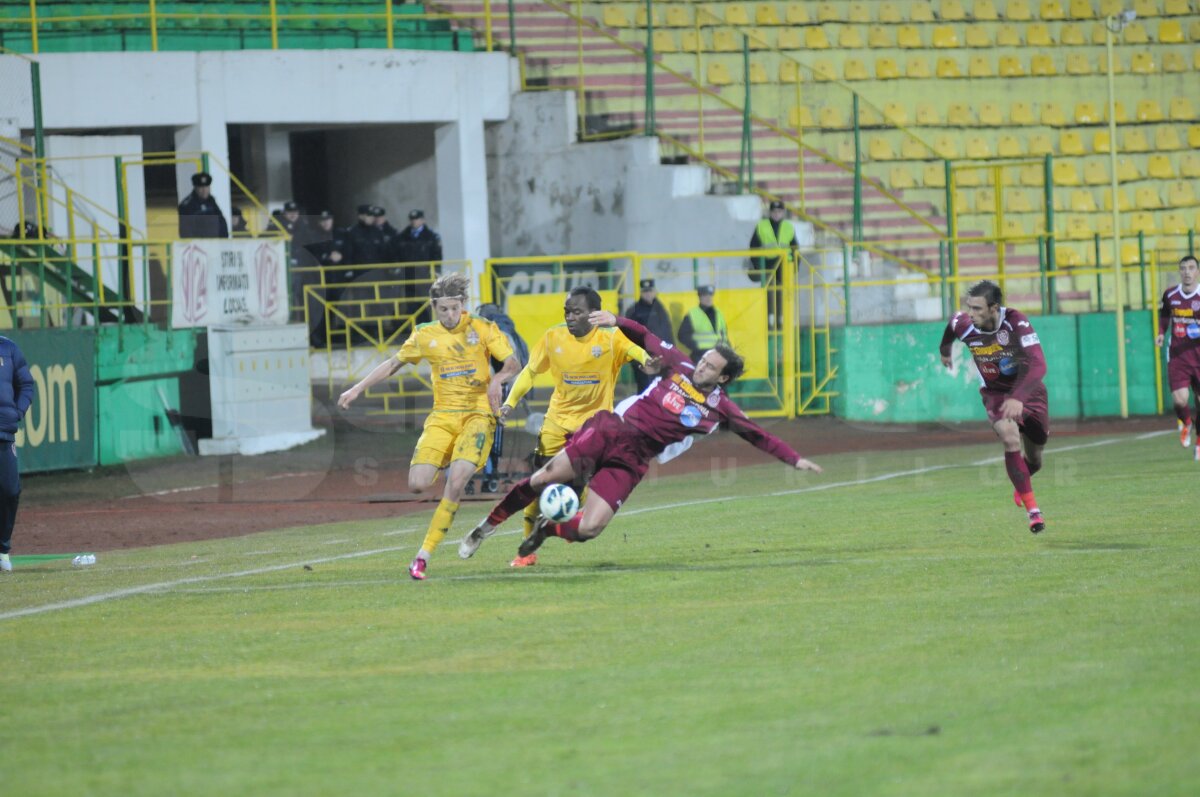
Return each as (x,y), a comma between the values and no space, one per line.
(610,454)
(1035,419)
(1183,370)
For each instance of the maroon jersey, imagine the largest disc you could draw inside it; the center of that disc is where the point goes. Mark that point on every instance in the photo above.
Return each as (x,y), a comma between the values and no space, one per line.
(1009,358)
(674,407)
(1179,320)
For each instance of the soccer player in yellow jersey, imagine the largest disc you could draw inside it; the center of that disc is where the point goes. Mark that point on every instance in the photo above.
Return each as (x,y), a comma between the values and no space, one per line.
(585,362)
(458,433)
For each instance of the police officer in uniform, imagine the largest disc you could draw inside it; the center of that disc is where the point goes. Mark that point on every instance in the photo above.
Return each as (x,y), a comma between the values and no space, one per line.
(365,239)
(704,326)
(199,216)
(650,313)
(417,243)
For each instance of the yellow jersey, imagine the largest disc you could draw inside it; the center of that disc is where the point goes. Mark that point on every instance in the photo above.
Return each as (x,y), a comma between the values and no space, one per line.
(585,371)
(460,360)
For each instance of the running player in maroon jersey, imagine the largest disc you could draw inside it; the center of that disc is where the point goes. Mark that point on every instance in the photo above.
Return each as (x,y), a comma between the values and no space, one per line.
(1180,312)
(615,450)
(1009,357)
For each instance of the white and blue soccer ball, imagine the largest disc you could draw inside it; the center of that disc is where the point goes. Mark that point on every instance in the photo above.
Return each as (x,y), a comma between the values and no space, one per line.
(558,503)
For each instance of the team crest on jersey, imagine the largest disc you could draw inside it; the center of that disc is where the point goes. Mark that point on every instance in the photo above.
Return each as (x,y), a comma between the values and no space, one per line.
(597,351)
(472,338)
(713,400)
(433,344)
(1002,337)
(1196,305)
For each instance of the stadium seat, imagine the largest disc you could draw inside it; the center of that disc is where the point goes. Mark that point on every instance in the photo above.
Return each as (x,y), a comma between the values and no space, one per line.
(1103,226)
(796,13)
(946,146)
(614,17)
(978,147)
(758,74)
(1100,141)
(639,17)
(1173,224)
(911,149)
(692,41)
(1038,35)
(1118,64)
(801,116)
(1031,175)
(978,36)
(985,11)
(1017,200)
(1041,144)
(790,39)
(1081,9)
(828,12)
(1010,66)
(880,37)
(886,69)
(880,149)
(1170,31)
(824,69)
(1135,33)
(1194,137)
(968,178)
(850,38)
(952,11)
(664,41)
(1066,173)
(868,116)
(960,115)
(1078,226)
(1173,62)
(1052,115)
(1009,146)
(678,16)
(1159,167)
(917,66)
(908,37)
(859,13)
(1142,222)
(1127,170)
(1071,143)
(1148,111)
(1145,8)
(896,113)
(1189,166)
(980,66)
(854,69)
(725,40)
(1082,201)
(890,12)
(1181,193)
(1086,113)
(765,14)
(1018,10)
(984,199)
(1123,203)
(1177,8)
(990,115)
(933,175)
(1042,65)
(845,150)
(736,14)
(1052,9)
(927,115)
(1143,64)
(1014,228)
(718,74)
(945,36)
(815,39)
(1008,36)
(1078,64)
(901,177)
(1071,36)
(1021,113)
(831,117)
(1136,141)
(789,71)
(947,67)
(1181,109)
(1066,256)
(1095,172)
(1166,139)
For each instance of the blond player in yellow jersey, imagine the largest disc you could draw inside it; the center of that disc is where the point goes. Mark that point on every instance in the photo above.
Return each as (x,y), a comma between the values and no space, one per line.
(585,362)
(466,396)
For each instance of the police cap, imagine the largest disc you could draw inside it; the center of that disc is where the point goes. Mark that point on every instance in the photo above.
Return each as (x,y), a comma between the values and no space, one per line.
(416,214)
(200,179)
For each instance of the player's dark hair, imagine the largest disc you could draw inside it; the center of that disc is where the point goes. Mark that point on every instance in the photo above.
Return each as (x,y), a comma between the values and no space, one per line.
(987,289)
(589,295)
(1188,257)
(735,364)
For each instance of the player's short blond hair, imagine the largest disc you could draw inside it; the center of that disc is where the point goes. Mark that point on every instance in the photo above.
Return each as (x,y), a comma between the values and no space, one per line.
(450,286)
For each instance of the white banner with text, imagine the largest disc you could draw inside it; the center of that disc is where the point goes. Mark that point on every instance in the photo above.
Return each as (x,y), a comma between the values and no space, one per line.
(219,281)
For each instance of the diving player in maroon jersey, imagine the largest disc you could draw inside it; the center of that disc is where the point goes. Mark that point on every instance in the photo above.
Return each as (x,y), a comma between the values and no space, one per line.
(1009,357)
(615,450)
(1180,312)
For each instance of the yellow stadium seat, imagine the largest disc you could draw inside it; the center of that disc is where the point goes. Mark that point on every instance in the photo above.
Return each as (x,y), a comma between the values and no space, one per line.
(718,74)
(679,16)
(1135,33)
(828,12)
(979,66)
(1009,146)
(908,37)
(1021,113)
(985,199)
(691,41)
(879,37)
(945,36)
(801,116)
(1078,64)
(1100,141)
(1066,173)
(1190,165)
(1038,35)
(1174,224)
(933,175)
(850,38)
(896,113)
(912,149)
(1052,115)
(1081,9)
(1159,167)
(1082,201)
(614,17)
(823,69)
(970,177)
(664,41)
(880,149)
(831,117)
(1008,36)
(917,66)
(1166,139)
(990,115)
(1086,113)
(1121,115)
(1052,9)
(1170,31)
(765,14)
(978,147)
(1078,226)
(1071,143)
(815,39)
(845,150)
(790,39)
(946,145)
(1072,35)
(1173,62)
(960,115)
(1014,228)
(1010,66)
(952,11)
(1018,10)
(927,115)
(1127,170)
(1138,222)
(1017,201)
(1095,172)
(758,38)
(1103,226)
(726,41)
(947,67)
(1118,64)
(978,36)
(1177,8)
(1108,8)
(736,14)
(886,69)
(1181,193)
(1041,144)
(985,11)
(854,69)
(859,13)
(869,115)
(1042,65)
(1066,256)
(1194,137)
(1143,64)
(901,177)
(921,11)
(1136,141)
(1148,111)
(639,17)
(890,12)
(796,13)
(1123,202)
(758,74)
(789,71)
(1181,110)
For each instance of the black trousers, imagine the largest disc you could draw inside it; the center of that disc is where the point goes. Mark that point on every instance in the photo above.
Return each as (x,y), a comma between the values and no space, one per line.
(10,492)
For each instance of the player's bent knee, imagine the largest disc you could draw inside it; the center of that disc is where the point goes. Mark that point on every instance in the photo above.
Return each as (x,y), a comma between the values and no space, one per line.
(589,531)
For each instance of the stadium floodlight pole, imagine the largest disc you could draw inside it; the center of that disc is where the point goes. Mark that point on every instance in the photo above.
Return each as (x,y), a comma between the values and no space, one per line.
(1113,25)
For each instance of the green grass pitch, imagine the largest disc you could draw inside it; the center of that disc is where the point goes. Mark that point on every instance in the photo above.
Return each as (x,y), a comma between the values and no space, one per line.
(736,632)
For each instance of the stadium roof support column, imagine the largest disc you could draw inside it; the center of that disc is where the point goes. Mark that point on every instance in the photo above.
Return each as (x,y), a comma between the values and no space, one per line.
(462,191)
(210,134)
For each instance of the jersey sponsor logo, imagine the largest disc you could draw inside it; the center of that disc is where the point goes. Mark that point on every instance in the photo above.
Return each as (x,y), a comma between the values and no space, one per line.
(1193,330)
(452,369)
(1023,323)
(690,417)
(1030,340)
(983,351)
(597,351)
(1002,337)
(686,387)
(989,370)
(666,345)
(1184,312)
(580,378)
(1008,366)
(1180,331)
(674,402)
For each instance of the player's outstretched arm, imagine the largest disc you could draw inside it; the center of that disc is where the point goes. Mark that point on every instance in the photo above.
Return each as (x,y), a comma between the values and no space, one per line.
(804,464)
(653,344)
(385,369)
(761,439)
(495,389)
(947,343)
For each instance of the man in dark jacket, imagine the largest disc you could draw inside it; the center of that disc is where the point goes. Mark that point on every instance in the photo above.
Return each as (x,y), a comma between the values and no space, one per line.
(417,243)
(199,216)
(650,313)
(704,326)
(16,394)
(365,239)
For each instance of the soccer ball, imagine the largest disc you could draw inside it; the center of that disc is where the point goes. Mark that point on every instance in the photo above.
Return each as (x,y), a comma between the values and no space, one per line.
(558,503)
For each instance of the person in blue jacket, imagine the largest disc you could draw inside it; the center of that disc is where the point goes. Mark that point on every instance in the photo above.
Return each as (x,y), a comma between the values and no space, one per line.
(16,394)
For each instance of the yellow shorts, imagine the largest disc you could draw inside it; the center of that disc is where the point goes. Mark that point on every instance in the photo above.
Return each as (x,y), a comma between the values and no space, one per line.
(449,436)
(551,439)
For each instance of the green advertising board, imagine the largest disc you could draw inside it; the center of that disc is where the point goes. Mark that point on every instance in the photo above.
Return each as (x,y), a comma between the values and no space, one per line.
(59,430)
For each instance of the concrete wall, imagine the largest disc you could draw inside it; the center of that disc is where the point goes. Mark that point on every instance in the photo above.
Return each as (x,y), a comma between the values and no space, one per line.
(400,175)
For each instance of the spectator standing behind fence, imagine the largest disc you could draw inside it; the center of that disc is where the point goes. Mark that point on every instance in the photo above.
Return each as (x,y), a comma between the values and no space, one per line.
(16,394)
(327,246)
(365,239)
(704,326)
(650,313)
(417,243)
(773,232)
(199,216)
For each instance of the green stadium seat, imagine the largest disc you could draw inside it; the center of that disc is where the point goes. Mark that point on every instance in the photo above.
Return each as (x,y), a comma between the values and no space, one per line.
(947,67)
(1052,9)
(985,11)
(1181,193)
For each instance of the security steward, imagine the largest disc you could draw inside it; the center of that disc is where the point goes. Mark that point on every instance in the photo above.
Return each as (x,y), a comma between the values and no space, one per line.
(773,232)
(704,326)
(199,216)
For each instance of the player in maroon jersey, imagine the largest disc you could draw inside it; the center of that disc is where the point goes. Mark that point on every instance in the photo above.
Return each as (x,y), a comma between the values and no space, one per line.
(615,450)
(1180,312)
(1009,357)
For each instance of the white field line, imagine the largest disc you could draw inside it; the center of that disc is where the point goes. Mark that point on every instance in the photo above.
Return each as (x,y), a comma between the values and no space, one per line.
(101,597)
(215,485)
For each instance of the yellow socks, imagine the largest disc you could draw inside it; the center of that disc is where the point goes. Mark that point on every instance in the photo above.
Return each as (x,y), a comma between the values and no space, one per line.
(443,517)
(531,513)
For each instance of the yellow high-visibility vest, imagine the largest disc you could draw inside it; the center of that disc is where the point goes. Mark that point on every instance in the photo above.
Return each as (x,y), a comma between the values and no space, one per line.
(705,334)
(766,235)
